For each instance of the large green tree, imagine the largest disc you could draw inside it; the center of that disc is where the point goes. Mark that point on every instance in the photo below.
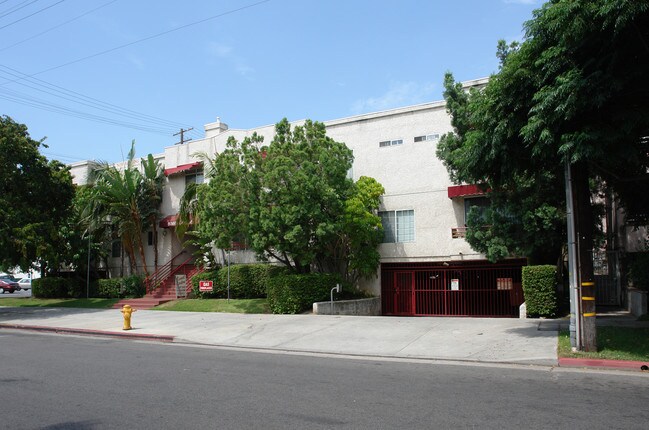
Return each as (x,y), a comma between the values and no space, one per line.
(35,197)
(292,201)
(574,90)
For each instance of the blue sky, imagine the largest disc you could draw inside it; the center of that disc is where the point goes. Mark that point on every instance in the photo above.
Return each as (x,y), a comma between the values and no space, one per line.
(252,64)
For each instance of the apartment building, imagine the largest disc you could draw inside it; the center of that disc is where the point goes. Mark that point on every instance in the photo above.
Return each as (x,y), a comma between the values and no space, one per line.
(427,268)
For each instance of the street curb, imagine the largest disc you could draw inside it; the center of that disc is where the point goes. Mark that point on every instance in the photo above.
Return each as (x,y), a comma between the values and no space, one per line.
(639,366)
(88,332)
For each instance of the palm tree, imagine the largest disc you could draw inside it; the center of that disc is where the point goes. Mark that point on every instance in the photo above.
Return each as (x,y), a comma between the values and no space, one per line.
(117,193)
(150,198)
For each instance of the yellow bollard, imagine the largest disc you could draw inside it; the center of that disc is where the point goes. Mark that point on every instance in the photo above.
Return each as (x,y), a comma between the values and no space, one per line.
(127,311)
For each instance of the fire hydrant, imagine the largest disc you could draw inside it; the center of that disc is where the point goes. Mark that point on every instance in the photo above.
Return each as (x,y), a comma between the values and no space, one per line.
(127,311)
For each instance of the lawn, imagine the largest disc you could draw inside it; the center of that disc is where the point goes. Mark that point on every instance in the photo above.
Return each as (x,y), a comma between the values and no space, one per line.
(613,343)
(240,306)
(30,302)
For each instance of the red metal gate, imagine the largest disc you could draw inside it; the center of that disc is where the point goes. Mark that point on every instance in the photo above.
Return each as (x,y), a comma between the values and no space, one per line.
(462,289)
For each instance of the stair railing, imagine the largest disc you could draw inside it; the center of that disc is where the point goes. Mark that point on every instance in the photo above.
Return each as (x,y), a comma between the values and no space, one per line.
(163,273)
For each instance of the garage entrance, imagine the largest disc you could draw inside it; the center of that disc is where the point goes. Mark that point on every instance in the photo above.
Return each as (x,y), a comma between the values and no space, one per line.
(472,288)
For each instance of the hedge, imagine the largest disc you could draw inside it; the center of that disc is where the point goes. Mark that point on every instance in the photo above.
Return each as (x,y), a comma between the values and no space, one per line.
(119,288)
(539,289)
(291,294)
(247,281)
(638,274)
(54,287)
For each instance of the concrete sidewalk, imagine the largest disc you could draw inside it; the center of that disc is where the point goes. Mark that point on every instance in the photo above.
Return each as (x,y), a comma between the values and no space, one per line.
(494,340)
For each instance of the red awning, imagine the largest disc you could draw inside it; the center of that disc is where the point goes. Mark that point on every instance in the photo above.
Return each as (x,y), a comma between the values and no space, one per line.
(169,221)
(182,168)
(465,191)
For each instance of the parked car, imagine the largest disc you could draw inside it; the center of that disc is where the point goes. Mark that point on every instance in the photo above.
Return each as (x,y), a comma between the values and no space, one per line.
(25,283)
(7,285)
(9,278)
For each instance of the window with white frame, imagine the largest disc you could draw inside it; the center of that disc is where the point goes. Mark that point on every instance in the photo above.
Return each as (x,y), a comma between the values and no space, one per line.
(194,178)
(386,143)
(398,226)
(427,137)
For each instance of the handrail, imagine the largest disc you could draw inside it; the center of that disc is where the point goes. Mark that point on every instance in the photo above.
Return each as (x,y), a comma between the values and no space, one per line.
(180,266)
(191,274)
(154,280)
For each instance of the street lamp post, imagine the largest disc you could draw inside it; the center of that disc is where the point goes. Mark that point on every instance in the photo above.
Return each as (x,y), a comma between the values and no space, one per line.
(88,270)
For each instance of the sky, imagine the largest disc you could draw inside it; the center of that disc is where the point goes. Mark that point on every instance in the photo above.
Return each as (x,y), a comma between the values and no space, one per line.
(91,76)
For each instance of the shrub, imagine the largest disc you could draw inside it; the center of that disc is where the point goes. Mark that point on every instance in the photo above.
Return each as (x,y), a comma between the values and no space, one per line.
(539,288)
(54,287)
(211,275)
(291,294)
(118,288)
(638,273)
(247,281)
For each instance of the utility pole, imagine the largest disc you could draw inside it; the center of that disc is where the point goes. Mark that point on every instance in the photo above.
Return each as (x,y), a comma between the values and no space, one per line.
(582,277)
(573,267)
(182,136)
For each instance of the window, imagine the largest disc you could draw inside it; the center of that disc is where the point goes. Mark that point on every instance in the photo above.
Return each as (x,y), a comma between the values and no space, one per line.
(390,143)
(194,178)
(479,203)
(398,226)
(150,238)
(116,248)
(427,137)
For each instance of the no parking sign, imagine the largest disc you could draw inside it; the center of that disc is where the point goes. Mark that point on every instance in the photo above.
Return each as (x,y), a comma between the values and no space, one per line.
(205,286)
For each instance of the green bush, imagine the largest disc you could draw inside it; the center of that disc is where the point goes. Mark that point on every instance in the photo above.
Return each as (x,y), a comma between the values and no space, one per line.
(247,281)
(638,274)
(119,288)
(291,294)
(539,289)
(54,287)
(211,275)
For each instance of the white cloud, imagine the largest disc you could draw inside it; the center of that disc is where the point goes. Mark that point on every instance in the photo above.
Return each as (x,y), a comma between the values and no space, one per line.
(219,50)
(399,94)
(226,53)
(137,62)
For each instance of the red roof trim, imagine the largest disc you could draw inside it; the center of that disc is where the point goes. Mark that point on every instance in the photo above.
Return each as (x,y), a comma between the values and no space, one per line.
(182,168)
(169,221)
(465,191)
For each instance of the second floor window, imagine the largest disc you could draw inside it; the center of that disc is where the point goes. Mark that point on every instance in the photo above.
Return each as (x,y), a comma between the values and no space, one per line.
(398,226)
(194,178)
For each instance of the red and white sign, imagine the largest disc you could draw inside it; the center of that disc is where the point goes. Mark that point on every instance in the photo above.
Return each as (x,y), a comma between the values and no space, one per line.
(455,285)
(205,286)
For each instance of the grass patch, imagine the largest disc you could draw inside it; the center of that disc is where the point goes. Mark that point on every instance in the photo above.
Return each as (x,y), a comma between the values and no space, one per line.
(30,302)
(613,343)
(238,306)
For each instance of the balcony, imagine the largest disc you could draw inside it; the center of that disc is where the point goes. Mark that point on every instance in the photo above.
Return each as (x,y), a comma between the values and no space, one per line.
(458,232)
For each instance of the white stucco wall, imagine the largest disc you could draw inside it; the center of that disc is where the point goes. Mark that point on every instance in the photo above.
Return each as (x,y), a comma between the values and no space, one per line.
(413,177)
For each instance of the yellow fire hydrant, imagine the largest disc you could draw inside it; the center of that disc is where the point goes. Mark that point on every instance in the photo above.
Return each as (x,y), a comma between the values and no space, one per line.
(127,311)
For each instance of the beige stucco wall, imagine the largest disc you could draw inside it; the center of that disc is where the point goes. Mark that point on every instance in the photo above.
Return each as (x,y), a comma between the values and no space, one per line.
(412,175)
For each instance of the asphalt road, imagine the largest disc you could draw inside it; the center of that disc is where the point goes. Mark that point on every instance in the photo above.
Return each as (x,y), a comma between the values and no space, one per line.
(66,382)
(16,294)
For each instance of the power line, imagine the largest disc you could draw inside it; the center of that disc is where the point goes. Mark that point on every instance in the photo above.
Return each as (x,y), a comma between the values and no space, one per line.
(18,7)
(30,15)
(57,26)
(144,39)
(92,102)
(27,100)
